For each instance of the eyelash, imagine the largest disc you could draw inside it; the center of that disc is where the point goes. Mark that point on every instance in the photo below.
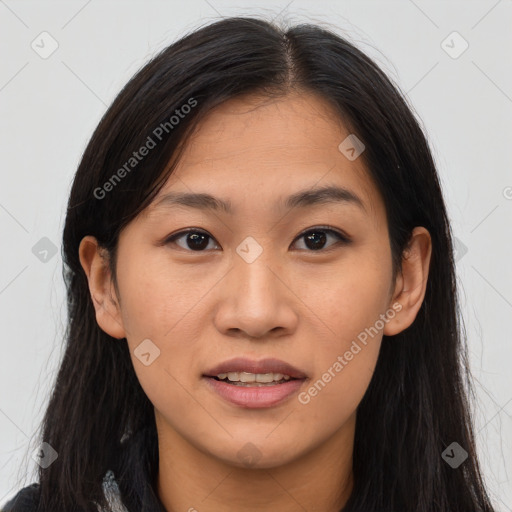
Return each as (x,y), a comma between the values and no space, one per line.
(343,239)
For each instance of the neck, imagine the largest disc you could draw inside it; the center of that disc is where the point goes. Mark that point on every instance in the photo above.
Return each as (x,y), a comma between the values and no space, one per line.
(190,480)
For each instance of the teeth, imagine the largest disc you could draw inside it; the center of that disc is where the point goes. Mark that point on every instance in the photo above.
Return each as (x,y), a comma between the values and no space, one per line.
(244,377)
(253,377)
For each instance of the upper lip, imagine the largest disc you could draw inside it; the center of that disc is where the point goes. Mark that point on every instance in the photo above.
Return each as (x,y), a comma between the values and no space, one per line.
(242,364)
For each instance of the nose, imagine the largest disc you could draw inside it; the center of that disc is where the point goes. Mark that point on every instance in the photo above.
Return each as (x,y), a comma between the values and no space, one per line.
(256,301)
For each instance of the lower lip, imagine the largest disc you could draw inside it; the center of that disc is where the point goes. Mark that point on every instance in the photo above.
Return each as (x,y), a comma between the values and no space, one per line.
(252,397)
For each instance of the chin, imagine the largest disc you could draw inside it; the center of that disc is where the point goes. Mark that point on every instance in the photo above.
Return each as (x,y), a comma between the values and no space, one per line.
(257,455)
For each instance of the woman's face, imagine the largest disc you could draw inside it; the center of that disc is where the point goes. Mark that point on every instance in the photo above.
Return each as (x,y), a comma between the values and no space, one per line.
(265,280)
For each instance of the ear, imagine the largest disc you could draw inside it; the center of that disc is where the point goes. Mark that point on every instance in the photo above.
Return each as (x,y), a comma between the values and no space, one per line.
(411,282)
(94,261)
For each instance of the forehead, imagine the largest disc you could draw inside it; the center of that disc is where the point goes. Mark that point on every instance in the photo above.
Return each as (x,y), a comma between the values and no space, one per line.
(259,149)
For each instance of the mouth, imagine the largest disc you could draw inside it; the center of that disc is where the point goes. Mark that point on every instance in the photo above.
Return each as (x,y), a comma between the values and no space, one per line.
(255,384)
(265,371)
(248,379)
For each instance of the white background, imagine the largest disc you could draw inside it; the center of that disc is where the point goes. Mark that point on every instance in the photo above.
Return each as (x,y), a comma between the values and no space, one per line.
(50,107)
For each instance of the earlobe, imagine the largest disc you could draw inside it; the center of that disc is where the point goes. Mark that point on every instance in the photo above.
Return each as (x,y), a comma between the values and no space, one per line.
(94,261)
(411,282)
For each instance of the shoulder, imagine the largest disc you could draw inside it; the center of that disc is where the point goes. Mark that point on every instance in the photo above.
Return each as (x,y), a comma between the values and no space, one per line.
(26,500)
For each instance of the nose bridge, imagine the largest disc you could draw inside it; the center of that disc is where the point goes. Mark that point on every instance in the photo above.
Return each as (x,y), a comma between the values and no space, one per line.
(256,301)
(252,263)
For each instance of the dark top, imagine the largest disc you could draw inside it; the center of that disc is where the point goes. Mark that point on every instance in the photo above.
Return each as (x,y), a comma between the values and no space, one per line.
(142,497)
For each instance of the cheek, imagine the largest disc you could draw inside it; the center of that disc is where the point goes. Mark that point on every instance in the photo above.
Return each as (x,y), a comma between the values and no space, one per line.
(161,305)
(159,297)
(350,300)
(353,312)
(344,364)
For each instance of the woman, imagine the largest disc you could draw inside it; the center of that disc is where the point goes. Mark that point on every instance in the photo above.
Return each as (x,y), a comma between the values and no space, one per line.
(221,353)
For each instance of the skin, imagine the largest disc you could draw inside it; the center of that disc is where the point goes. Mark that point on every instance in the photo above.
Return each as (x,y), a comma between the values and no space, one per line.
(294,303)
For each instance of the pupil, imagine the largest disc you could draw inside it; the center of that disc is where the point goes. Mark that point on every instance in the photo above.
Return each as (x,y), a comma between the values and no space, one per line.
(199,240)
(318,243)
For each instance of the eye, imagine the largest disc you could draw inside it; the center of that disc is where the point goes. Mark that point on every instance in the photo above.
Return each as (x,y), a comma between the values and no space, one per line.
(198,240)
(315,238)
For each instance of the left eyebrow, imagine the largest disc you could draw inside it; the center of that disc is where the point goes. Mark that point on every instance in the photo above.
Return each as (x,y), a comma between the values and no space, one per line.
(301,199)
(323,195)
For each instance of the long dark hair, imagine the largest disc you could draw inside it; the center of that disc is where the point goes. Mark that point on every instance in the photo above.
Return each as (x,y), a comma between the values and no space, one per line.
(417,402)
